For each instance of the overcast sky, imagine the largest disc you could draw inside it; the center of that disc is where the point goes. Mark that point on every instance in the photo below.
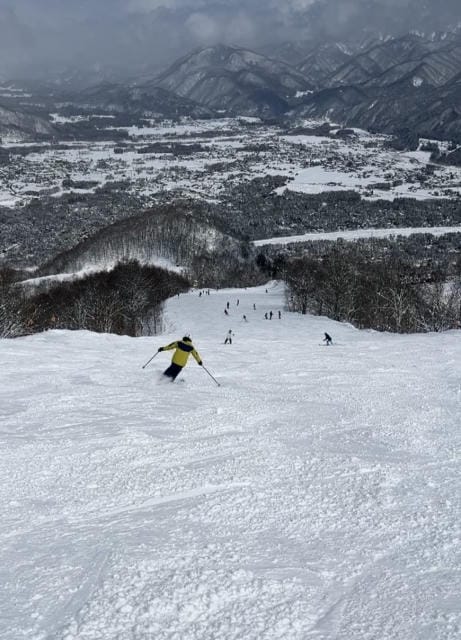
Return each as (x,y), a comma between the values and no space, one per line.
(133,31)
(41,34)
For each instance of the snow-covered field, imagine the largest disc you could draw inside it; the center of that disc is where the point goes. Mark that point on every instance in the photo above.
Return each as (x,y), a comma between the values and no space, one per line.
(356,234)
(313,495)
(311,164)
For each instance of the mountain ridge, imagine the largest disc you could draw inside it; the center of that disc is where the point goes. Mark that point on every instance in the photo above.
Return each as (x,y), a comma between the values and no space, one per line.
(233,79)
(390,84)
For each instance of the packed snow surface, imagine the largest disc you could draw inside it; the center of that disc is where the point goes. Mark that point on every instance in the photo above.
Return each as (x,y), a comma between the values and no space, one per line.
(313,495)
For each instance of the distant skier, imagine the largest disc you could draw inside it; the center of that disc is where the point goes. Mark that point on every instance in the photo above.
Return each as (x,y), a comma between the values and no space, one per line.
(254,307)
(280,315)
(270,315)
(228,339)
(227,305)
(245,319)
(266,316)
(327,339)
(226,312)
(238,302)
(183,349)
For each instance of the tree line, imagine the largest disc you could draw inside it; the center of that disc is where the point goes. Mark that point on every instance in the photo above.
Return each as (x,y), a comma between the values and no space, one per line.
(389,294)
(127,300)
(401,285)
(180,233)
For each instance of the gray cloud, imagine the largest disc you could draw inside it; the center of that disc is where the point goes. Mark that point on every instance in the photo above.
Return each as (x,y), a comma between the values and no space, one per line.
(138,35)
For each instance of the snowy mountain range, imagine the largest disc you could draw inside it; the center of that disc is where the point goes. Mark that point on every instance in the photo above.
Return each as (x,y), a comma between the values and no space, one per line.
(432,62)
(406,83)
(385,78)
(410,83)
(235,80)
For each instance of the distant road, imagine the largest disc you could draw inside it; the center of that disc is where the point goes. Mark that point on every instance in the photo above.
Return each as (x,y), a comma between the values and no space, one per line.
(355,234)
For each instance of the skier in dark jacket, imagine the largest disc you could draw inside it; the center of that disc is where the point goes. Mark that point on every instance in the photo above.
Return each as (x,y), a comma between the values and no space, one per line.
(183,349)
(327,339)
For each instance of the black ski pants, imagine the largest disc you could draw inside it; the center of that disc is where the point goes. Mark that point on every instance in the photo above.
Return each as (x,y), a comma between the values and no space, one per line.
(173,371)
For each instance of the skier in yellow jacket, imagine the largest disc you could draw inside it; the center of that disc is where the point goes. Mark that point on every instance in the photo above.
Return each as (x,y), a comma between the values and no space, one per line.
(183,349)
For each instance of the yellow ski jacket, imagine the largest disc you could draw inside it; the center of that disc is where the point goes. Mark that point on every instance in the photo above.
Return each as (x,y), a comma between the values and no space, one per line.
(183,349)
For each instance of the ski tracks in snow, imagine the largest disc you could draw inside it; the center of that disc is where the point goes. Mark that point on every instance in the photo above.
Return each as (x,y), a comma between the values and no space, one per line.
(309,497)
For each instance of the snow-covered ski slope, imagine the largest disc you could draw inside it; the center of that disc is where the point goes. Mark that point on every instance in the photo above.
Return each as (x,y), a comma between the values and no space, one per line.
(313,496)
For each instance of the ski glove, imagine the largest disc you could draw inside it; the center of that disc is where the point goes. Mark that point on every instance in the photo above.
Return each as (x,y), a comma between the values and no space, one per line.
(200,363)
(160,348)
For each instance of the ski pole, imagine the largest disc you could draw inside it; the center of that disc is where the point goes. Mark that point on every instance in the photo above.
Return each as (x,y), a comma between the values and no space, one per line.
(203,367)
(149,361)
